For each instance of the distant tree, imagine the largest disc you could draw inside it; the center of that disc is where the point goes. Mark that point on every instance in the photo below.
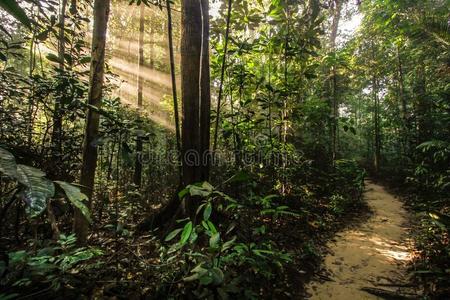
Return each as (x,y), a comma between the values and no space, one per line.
(89,160)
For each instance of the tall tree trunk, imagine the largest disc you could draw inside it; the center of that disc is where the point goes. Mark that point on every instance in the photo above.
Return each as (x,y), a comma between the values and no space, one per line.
(195,93)
(423,106)
(57,114)
(89,162)
(404,110)
(222,75)
(377,154)
(337,7)
(174,83)
(137,178)
(205,96)
(152,48)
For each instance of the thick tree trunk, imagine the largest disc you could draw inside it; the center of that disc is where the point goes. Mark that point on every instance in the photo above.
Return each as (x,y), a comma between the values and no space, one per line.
(89,162)
(195,94)
(137,178)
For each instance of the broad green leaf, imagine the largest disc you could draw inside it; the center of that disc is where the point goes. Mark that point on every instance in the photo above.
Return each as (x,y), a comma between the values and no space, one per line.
(76,197)
(198,191)
(214,240)
(187,230)
(217,276)
(207,186)
(8,164)
(206,279)
(38,189)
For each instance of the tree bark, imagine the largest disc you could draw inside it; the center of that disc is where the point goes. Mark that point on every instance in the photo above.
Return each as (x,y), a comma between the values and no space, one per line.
(89,160)
(195,93)
(377,156)
(174,83)
(423,106)
(205,96)
(222,75)
(57,114)
(337,7)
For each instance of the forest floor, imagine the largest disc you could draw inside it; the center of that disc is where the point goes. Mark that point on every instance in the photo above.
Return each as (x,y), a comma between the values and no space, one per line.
(369,260)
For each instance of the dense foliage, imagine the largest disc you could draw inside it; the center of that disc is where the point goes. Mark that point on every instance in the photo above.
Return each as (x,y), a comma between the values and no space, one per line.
(298,111)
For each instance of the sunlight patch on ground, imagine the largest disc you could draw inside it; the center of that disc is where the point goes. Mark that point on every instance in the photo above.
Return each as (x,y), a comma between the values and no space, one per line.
(358,258)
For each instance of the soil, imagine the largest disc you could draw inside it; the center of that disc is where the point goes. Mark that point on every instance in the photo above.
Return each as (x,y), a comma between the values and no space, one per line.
(369,261)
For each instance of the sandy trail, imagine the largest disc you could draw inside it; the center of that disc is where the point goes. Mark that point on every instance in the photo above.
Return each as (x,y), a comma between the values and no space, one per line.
(372,256)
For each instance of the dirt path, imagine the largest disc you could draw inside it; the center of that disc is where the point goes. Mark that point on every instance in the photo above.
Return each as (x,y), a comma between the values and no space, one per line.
(370,260)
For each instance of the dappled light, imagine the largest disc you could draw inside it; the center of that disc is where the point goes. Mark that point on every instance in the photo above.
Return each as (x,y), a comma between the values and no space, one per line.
(377,249)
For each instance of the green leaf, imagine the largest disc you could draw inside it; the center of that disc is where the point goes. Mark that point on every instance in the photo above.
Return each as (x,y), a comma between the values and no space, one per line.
(207,279)
(214,240)
(241,176)
(183,193)
(37,189)
(187,230)
(76,197)
(54,58)
(173,234)
(195,190)
(191,278)
(8,164)
(85,60)
(211,226)
(14,10)
(207,186)
(217,276)
(207,212)
(227,245)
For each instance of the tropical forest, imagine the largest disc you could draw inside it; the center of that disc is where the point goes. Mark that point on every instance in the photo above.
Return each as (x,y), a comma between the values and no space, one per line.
(224,149)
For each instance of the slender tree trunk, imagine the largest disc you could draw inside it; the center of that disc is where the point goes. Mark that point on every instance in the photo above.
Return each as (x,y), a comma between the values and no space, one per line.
(404,110)
(423,107)
(337,7)
(137,178)
(57,114)
(174,82)
(152,48)
(205,96)
(89,161)
(222,75)
(377,153)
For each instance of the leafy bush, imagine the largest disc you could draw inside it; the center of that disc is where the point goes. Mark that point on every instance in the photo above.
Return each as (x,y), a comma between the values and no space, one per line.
(209,259)
(52,266)
(433,263)
(35,189)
